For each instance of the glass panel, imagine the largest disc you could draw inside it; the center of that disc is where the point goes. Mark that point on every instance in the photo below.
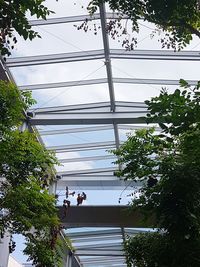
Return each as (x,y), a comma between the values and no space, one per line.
(77,138)
(96,152)
(61,72)
(155,69)
(82,154)
(70,127)
(72,96)
(84,165)
(138,92)
(61,38)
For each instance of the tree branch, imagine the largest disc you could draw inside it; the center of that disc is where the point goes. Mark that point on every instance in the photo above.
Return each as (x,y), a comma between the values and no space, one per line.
(192,29)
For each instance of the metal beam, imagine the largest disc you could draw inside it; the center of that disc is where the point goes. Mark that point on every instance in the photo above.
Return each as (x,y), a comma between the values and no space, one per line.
(140,105)
(101,260)
(75,130)
(81,18)
(97,239)
(87,171)
(116,133)
(116,263)
(89,118)
(155,54)
(97,128)
(94,184)
(91,253)
(54,58)
(107,55)
(88,106)
(44,86)
(136,127)
(103,216)
(99,54)
(151,81)
(71,19)
(105,264)
(103,246)
(93,158)
(98,233)
(34,87)
(94,107)
(89,177)
(82,147)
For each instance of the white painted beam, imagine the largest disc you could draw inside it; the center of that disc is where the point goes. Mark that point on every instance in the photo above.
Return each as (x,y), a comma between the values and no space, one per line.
(89,118)
(71,19)
(88,234)
(88,106)
(99,54)
(61,20)
(87,171)
(82,147)
(155,54)
(94,158)
(44,86)
(34,87)
(94,183)
(54,58)
(75,130)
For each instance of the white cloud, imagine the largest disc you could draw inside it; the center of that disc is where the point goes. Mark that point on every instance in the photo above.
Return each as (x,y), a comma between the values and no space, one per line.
(73,165)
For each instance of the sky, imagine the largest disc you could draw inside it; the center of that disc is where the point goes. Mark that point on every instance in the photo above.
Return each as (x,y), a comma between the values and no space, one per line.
(65,38)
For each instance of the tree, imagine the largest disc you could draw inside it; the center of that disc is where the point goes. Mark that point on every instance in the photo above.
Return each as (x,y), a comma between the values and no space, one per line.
(26,170)
(13,14)
(178,19)
(172,159)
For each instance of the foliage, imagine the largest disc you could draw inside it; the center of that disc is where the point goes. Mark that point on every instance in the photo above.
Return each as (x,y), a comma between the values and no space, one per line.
(31,162)
(13,14)
(148,247)
(37,211)
(26,169)
(172,160)
(179,110)
(12,105)
(40,251)
(178,19)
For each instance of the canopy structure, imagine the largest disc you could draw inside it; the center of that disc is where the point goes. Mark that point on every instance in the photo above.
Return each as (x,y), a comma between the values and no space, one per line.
(90,93)
(102,246)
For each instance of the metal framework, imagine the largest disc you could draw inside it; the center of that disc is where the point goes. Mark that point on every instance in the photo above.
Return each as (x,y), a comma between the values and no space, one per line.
(102,216)
(101,247)
(102,81)
(107,121)
(100,54)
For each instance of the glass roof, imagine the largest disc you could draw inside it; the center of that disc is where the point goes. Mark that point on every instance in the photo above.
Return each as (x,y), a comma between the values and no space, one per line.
(100,246)
(90,92)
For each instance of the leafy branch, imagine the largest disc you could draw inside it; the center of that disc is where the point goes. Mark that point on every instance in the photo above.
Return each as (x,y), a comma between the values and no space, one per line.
(28,207)
(13,14)
(168,163)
